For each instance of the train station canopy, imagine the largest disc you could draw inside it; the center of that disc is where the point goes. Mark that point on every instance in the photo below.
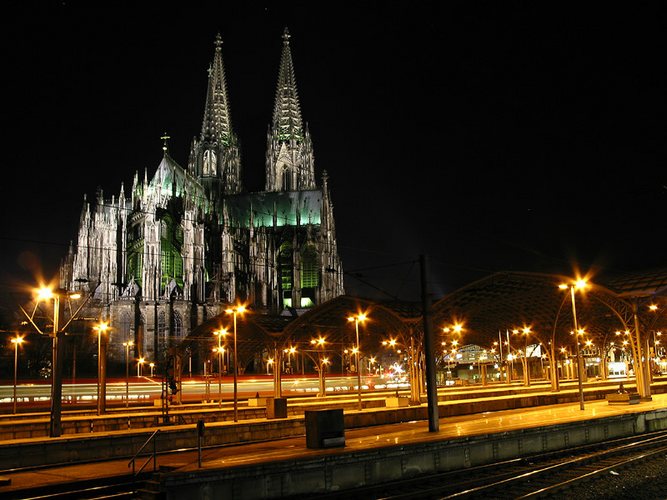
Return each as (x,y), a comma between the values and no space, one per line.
(508,301)
(486,309)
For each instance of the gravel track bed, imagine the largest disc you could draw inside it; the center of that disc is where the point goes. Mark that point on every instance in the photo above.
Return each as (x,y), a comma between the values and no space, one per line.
(646,481)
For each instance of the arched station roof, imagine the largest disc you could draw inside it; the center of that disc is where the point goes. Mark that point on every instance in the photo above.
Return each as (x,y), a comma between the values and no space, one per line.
(255,332)
(498,303)
(513,300)
(330,321)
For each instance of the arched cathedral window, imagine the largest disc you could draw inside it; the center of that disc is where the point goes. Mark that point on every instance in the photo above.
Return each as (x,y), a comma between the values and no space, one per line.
(286,273)
(287,178)
(177,327)
(210,160)
(310,276)
(207,162)
(309,268)
(162,341)
(134,265)
(124,328)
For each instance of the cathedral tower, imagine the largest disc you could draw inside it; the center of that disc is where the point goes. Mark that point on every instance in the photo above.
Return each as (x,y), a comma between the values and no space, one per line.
(214,158)
(289,153)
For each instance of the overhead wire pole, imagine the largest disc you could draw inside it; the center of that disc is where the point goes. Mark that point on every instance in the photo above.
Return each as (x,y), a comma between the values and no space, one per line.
(429,352)
(580,371)
(55,415)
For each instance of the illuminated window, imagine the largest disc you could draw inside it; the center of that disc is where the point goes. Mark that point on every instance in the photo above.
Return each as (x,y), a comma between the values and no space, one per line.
(134,266)
(286,270)
(310,268)
(177,327)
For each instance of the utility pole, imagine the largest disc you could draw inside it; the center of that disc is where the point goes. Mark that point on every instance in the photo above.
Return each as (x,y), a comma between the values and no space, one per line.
(431,387)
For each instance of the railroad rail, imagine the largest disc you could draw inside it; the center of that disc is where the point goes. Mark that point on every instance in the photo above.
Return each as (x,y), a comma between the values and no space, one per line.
(535,476)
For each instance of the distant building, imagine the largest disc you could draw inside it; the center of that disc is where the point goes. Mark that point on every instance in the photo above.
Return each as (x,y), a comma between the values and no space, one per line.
(185,242)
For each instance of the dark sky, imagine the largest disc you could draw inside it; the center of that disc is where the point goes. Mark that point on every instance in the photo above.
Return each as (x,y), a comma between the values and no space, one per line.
(490,136)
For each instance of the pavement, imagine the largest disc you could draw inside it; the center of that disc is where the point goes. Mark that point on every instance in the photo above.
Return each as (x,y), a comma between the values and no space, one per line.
(355,440)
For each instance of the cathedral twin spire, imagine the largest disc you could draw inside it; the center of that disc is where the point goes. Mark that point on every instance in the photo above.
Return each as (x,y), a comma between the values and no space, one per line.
(289,152)
(215,157)
(217,121)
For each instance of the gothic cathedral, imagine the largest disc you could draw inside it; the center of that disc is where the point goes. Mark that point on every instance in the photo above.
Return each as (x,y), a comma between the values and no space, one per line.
(186,242)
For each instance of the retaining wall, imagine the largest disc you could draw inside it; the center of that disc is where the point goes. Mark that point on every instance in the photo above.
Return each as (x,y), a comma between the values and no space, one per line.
(343,470)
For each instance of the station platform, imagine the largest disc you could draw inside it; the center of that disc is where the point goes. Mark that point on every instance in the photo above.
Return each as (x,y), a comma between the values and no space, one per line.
(365,448)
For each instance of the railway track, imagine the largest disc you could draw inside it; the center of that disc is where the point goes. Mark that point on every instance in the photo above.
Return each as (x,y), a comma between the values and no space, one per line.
(537,476)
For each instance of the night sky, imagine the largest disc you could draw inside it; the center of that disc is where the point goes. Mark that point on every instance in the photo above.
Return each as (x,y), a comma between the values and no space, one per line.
(490,136)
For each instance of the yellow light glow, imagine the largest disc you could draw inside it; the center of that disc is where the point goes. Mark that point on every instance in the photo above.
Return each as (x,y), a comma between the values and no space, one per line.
(44,293)
(101,327)
(238,309)
(359,318)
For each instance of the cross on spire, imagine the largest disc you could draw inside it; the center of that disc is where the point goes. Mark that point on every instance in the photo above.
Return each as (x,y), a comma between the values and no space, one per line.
(165,138)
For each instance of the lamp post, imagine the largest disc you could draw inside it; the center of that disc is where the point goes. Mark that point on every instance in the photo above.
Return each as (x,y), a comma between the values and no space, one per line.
(320,342)
(357,318)
(525,331)
(291,350)
(234,311)
(151,365)
(580,284)
(220,350)
(127,346)
(140,362)
(18,340)
(101,328)
(45,294)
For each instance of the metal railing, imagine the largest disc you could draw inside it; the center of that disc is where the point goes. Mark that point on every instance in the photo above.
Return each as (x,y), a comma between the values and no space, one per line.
(132,462)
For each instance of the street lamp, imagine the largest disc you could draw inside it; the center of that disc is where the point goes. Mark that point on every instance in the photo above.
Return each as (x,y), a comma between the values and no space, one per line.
(151,365)
(101,328)
(579,284)
(18,340)
(357,318)
(525,331)
(220,350)
(127,346)
(291,350)
(46,294)
(320,342)
(140,363)
(236,310)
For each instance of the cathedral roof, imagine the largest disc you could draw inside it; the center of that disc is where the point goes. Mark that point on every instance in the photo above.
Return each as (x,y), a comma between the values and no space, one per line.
(171,179)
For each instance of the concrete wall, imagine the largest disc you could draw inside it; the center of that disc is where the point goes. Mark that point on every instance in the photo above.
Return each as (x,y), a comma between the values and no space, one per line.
(341,470)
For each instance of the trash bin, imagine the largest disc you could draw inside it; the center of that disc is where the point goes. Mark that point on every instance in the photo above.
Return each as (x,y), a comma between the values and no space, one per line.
(276,407)
(325,428)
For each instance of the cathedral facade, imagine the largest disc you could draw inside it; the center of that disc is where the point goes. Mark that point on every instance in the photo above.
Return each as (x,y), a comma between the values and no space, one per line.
(184,243)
